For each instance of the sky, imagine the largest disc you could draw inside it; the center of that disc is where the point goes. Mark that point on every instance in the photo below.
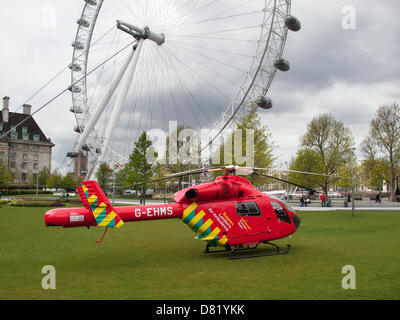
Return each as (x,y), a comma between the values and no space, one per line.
(344,61)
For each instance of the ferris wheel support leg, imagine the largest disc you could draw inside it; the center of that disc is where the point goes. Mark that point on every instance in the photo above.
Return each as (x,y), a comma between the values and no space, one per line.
(116,113)
(103,103)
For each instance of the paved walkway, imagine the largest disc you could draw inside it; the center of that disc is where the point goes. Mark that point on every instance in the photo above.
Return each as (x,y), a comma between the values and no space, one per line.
(347,209)
(339,205)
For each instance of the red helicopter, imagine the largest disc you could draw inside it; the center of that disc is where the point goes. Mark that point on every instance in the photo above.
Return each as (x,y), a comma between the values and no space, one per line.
(229,212)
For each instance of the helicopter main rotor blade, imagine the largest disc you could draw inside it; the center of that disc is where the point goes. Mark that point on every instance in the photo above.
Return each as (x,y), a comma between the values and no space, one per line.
(179,175)
(286,181)
(308,173)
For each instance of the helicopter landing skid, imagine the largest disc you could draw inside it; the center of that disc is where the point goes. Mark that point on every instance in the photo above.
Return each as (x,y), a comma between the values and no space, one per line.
(234,250)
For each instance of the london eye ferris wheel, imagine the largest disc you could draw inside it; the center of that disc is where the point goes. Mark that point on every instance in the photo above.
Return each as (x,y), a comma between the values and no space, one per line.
(199,63)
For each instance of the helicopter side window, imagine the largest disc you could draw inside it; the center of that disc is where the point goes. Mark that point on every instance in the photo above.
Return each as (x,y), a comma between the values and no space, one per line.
(280,212)
(248,209)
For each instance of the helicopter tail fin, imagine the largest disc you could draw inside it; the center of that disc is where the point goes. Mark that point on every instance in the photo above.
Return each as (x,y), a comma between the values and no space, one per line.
(94,199)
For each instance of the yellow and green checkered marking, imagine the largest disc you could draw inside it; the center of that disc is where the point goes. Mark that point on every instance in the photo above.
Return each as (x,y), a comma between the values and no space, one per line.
(110,220)
(203,227)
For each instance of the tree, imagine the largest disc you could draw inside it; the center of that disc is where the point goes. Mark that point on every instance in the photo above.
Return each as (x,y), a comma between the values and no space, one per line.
(375,170)
(69,182)
(43,176)
(5,175)
(384,135)
(307,160)
(332,142)
(252,130)
(103,175)
(54,180)
(138,169)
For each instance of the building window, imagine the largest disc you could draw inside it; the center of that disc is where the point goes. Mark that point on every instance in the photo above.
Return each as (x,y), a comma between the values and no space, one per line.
(23,166)
(24,130)
(25,137)
(36,148)
(23,176)
(14,147)
(25,148)
(14,136)
(36,137)
(1,154)
(13,156)
(35,157)
(25,156)
(12,164)
(36,166)
(1,127)
(13,128)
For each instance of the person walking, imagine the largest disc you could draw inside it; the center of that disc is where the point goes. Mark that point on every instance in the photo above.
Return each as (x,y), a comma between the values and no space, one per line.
(378,198)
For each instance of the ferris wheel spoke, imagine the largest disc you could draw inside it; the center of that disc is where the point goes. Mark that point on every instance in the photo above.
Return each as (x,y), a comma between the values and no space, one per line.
(213,38)
(228,17)
(204,80)
(232,9)
(168,95)
(237,54)
(219,19)
(186,92)
(257,26)
(207,67)
(180,94)
(189,72)
(193,13)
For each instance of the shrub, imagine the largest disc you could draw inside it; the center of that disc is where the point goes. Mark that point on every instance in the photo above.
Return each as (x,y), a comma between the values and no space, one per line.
(33,203)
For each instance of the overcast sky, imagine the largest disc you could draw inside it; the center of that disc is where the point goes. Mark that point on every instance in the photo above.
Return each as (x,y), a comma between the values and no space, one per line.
(348,73)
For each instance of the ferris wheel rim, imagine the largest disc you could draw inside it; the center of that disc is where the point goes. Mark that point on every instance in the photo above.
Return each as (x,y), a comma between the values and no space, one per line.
(92,9)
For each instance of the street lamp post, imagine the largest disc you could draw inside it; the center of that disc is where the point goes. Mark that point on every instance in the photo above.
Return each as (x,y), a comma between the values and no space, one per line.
(287,181)
(37,185)
(113,188)
(352,183)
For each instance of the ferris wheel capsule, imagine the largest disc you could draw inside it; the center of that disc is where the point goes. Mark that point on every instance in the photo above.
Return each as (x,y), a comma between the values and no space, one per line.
(79,129)
(85,147)
(264,102)
(292,23)
(77,110)
(282,64)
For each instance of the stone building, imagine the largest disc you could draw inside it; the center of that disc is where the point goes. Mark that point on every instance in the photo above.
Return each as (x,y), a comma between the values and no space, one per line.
(25,149)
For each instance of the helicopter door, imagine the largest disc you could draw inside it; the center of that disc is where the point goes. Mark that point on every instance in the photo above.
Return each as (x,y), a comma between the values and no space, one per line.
(250,215)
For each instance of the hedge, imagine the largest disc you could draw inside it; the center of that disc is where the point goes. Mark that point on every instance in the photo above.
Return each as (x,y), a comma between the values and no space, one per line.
(31,204)
(22,192)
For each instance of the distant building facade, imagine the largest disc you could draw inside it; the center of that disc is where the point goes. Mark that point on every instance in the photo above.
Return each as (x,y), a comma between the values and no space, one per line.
(25,150)
(81,165)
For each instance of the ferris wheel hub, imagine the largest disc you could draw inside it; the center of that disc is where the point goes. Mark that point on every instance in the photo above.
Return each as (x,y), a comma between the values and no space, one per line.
(143,33)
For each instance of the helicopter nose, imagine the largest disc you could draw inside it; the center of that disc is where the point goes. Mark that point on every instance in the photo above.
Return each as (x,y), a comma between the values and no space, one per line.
(296,220)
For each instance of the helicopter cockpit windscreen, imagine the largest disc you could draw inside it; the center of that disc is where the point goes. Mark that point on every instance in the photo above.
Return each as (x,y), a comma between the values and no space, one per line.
(280,212)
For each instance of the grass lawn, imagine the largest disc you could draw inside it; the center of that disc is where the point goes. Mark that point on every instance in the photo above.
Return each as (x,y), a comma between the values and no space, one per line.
(161,260)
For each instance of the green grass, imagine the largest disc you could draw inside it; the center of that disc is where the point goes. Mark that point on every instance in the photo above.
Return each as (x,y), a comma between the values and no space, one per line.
(161,260)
